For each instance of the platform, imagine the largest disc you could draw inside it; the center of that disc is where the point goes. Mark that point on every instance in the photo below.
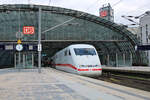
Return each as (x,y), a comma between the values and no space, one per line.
(131,69)
(52,84)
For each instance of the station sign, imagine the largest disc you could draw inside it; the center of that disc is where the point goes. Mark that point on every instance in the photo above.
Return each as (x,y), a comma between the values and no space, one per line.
(9,47)
(19,35)
(39,47)
(18,47)
(30,47)
(28,30)
(19,41)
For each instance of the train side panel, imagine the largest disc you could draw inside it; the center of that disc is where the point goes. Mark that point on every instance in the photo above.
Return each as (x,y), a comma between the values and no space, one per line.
(65,62)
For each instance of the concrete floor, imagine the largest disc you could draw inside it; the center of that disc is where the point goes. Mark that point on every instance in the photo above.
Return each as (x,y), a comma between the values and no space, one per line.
(52,84)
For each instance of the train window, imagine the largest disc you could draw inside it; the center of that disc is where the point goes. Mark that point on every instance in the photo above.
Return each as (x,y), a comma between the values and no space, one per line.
(69,53)
(84,51)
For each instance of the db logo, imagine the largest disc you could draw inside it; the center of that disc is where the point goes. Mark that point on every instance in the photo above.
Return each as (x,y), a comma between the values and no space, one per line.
(103,13)
(28,30)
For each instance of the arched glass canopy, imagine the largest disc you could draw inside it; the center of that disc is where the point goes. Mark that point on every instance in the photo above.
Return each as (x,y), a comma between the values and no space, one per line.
(114,43)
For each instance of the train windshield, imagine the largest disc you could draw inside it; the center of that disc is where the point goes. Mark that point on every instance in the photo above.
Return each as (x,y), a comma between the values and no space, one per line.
(84,51)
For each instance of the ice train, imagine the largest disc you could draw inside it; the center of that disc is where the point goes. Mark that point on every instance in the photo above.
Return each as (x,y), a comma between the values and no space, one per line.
(79,59)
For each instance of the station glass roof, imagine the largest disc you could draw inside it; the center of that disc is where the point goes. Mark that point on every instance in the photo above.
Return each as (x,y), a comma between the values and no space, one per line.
(106,36)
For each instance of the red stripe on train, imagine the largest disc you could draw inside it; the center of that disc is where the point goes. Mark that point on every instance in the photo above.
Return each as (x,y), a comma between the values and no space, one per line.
(96,69)
(71,66)
(68,65)
(83,69)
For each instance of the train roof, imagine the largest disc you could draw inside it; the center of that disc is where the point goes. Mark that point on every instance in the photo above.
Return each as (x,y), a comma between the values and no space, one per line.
(75,46)
(81,46)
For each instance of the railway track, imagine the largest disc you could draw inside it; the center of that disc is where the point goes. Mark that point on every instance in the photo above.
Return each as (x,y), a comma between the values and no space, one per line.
(142,83)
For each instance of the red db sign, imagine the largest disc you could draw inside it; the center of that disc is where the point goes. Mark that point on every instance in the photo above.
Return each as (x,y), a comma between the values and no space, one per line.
(28,30)
(103,13)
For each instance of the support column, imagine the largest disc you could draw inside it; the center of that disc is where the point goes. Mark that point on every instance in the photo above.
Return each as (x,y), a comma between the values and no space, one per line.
(124,59)
(26,60)
(39,41)
(148,59)
(32,60)
(131,58)
(107,59)
(23,60)
(19,61)
(116,60)
(15,60)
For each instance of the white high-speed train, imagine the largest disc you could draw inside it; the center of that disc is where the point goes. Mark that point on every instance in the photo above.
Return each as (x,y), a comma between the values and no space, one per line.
(79,59)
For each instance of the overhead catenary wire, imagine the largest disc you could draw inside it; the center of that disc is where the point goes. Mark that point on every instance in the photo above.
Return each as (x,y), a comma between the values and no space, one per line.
(117,3)
(68,20)
(137,9)
(134,17)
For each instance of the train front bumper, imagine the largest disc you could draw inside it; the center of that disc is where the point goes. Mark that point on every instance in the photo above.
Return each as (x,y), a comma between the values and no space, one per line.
(90,72)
